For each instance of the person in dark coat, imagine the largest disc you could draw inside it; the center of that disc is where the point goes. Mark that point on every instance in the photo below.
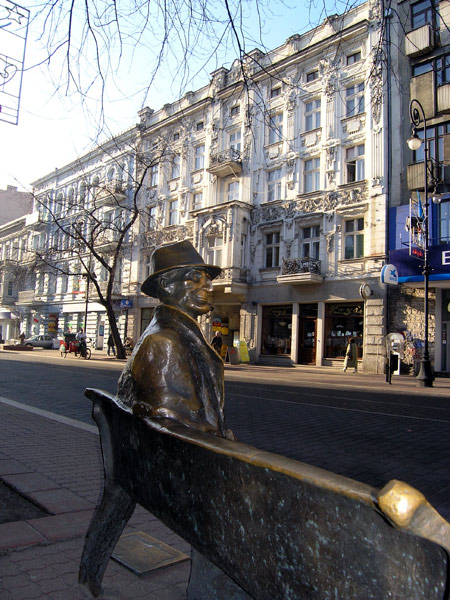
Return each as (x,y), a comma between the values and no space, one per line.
(111,345)
(173,374)
(216,342)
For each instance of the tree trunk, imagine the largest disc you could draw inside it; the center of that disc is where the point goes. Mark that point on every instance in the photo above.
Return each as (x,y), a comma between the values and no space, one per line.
(120,350)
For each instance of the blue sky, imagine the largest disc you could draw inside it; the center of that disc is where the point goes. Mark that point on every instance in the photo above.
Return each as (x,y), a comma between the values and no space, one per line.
(57,124)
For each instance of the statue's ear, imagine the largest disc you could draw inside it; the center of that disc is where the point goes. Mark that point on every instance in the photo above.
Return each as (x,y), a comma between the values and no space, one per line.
(165,284)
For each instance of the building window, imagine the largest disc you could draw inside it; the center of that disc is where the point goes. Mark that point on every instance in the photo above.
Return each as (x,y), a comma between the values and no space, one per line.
(175,172)
(444,223)
(200,126)
(274,185)
(148,266)
(276,128)
(235,110)
(197,200)
(152,217)
(233,191)
(354,99)
(440,65)
(354,163)
(154,176)
(243,250)
(64,284)
(214,246)
(312,175)
(272,249)
(312,115)
(173,213)
(421,68)
(310,242)
(41,283)
(422,13)
(199,157)
(276,91)
(10,291)
(354,238)
(104,274)
(353,58)
(176,136)
(312,76)
(235,140)
(435,142)
(51,286)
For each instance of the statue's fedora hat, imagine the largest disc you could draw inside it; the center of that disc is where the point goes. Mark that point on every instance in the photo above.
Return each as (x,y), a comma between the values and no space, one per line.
(174,256)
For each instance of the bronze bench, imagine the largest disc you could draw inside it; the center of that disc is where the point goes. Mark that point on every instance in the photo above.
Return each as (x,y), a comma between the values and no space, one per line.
(262,526)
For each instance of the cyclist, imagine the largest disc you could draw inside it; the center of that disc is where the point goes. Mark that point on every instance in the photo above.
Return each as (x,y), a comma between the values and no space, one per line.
(81,337)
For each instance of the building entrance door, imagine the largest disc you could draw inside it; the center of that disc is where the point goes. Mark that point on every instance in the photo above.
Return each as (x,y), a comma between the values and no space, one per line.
(307,341)
(445,350)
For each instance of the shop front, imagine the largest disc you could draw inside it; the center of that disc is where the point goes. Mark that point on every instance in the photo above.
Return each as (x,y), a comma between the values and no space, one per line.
(343,320)
(276,330)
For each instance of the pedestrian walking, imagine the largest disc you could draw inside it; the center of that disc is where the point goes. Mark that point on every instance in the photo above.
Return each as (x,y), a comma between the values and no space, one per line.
(351,356)
(111,345)
(216,342)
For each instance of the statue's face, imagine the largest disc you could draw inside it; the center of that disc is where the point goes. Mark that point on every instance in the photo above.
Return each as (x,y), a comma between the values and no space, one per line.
(191,291)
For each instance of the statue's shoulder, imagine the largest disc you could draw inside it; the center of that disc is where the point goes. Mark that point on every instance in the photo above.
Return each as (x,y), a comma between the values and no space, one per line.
(161,340)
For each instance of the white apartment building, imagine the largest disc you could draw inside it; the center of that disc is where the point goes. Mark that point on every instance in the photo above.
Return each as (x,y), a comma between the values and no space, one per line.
(275,171)
(91,197)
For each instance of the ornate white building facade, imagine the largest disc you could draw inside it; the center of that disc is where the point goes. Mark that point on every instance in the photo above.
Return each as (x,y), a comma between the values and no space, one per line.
(277,174)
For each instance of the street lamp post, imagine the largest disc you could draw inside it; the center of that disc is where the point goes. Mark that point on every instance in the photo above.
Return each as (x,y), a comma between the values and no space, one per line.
(425,376)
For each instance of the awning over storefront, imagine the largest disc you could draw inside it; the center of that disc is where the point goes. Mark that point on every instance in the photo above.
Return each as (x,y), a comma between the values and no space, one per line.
(81,307)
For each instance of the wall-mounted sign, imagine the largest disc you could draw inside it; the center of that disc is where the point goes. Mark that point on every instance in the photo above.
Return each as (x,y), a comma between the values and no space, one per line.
(126,303)
(389,275)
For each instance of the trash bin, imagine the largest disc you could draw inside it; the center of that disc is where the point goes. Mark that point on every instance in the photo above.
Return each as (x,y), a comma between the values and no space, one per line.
(233,355)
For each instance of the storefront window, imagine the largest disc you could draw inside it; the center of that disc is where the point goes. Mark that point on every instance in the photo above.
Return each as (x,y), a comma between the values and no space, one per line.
(343,320)
(276,330)
(146,317)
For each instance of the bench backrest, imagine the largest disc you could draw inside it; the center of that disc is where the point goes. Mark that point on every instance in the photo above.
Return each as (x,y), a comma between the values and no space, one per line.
(278,527)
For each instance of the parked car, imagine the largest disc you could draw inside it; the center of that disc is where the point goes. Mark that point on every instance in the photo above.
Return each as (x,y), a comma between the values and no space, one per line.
(40,341)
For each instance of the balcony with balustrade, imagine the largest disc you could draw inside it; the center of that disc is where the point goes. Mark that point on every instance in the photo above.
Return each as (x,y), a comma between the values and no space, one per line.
(420,41)
(300,271)
(232,280)
(227,162)
(112,193)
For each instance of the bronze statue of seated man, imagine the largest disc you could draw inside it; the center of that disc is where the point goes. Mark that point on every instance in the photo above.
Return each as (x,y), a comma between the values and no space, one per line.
(173,373)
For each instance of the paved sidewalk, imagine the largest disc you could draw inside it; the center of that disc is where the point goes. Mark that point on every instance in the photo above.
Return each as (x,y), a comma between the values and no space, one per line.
(59,466)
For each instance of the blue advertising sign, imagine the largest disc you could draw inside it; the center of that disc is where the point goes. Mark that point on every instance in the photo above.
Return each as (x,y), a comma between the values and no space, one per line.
(126,303)
(410,269)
